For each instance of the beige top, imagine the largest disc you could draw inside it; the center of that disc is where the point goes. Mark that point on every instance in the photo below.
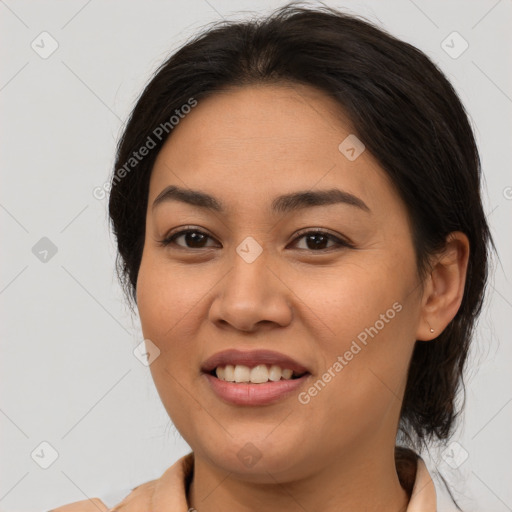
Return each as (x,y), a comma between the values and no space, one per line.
(169,493)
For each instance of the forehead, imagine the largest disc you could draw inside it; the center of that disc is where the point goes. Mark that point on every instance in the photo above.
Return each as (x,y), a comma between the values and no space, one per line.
(262,119)
(264,140)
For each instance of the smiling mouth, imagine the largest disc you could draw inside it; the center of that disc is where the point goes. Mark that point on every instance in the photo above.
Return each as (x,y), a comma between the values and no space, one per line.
(259,374)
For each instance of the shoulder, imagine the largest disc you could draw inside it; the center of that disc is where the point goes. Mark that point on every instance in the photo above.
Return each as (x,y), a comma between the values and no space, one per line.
(168,491)
(137,501)
(90,505)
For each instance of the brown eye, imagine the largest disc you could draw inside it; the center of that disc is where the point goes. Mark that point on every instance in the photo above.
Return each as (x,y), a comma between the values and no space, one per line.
(189,239)
(318,241)
(314,241)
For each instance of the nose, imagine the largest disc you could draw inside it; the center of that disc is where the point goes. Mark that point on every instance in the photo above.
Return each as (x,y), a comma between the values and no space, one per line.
(251,297)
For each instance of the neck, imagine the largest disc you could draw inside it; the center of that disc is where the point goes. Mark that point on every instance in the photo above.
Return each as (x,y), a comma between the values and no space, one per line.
(371,485)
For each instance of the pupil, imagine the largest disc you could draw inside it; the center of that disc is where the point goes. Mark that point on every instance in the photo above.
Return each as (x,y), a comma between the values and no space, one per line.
(316,243)
(194,239)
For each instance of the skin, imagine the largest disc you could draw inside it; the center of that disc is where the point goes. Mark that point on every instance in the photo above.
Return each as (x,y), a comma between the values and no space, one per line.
(246,146)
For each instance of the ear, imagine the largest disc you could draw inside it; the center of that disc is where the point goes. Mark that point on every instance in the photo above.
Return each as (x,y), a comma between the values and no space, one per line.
(444,287)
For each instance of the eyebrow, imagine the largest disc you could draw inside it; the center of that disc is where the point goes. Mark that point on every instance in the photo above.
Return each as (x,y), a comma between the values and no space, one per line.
(282,204)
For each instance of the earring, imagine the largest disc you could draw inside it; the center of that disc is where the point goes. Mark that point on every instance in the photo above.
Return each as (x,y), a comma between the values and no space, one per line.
(431,330)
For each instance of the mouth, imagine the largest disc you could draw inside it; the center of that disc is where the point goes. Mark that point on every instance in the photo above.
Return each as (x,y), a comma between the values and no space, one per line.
(259,374)
(258,377)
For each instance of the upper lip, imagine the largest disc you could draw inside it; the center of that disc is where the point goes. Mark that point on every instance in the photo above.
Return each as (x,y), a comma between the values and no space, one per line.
(252,358)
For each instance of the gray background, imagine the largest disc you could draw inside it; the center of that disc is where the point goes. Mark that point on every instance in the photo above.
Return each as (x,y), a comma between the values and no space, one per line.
(68,373)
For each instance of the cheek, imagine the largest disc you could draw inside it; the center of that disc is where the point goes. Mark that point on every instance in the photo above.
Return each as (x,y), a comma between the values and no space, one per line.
(168,312)
(365,315)
(173,307)
(163,306)
(349,298)
(166,296)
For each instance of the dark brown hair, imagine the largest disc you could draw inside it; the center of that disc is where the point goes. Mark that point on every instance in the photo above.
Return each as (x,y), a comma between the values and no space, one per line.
(403,109)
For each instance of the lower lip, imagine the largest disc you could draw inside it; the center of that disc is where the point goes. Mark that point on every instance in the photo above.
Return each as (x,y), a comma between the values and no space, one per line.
(254,394)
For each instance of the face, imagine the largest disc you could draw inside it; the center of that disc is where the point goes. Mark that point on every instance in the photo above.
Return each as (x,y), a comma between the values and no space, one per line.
(300,250)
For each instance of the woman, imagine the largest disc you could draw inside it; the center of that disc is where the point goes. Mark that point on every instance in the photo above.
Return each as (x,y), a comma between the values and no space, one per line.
(298,218)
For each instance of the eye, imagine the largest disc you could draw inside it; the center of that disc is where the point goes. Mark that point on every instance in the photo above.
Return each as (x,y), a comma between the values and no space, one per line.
(312,240)
(318,240)
(190,239)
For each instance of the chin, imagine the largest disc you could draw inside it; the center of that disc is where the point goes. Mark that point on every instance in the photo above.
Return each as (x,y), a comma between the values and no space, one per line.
(258,460)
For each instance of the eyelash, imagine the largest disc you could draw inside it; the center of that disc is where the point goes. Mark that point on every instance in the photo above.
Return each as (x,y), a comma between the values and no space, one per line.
(340,243)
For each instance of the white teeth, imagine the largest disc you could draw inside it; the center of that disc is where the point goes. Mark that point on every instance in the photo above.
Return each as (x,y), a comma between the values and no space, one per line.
(229,373)
(259,374)
(242,373)
(256,375)
(287,374)
(275,373)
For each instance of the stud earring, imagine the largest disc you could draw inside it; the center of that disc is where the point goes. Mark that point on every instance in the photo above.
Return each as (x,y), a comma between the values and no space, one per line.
(431,330)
